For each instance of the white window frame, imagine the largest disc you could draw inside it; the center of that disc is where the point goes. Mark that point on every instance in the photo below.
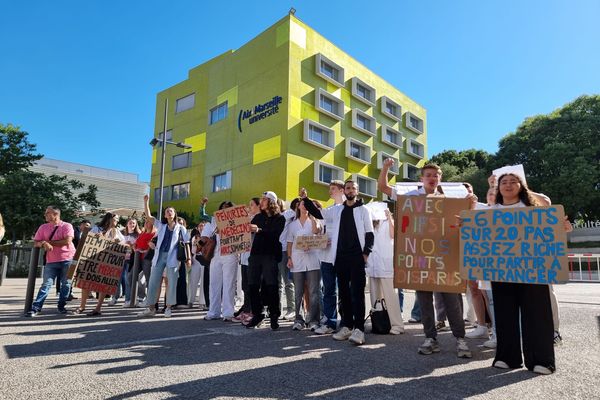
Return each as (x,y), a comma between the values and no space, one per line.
(330,132)
(372,98)
(166,194)
(183,104)
(408,125)
(216,189)
(381,156)
(384,129)
(319,58)
(396,117)
(371,182)
(216,110)
(173,190)
(409,151)
(341,106)
(405,166)
(339,172)
(350,142)
(355,113)
(189,160)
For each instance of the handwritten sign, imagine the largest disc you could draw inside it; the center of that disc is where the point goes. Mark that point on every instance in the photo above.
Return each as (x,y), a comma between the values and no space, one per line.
(426,244)
(100,264)
(523,245)
(234,230)
(310,242)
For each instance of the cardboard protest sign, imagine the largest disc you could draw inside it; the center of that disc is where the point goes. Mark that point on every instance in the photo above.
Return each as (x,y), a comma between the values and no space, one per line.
(234,230)
(522,244)
(449,189)
(100,264)
(426,244)
(310,242)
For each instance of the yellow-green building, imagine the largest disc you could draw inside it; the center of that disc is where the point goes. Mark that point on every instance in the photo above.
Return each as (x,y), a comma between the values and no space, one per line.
(286,110)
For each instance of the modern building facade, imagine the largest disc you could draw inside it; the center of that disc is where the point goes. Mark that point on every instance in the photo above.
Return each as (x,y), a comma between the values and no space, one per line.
(116,189)
(286,110)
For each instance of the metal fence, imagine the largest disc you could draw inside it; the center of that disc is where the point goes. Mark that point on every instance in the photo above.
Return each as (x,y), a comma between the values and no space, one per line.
(584,267)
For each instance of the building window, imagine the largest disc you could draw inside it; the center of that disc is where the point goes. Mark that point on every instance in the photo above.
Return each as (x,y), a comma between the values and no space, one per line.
(325,173)
(411,172)
(181,161)
(366,186)
(166,193)
(319,135)
(169,137)
(363,122)
(221,182)
(363,92)
(358,151)
(415,148)
(391,136)
(329,70)
(185,103)
(382,156)
(413,122)
(218,113)
(180,191)
(391,109)
(329,104)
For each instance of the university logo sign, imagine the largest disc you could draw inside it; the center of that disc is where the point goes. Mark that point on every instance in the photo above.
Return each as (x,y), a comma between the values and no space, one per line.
(260,111)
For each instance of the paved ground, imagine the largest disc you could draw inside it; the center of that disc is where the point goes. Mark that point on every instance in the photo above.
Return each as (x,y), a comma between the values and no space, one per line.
(119,356)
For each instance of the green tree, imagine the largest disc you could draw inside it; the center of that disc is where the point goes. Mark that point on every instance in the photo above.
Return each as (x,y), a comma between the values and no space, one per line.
(560,152)
(24,196)
(16,152)
(472,166)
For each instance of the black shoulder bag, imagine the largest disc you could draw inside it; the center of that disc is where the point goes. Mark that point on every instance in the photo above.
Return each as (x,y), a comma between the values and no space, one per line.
(380,319)
(49,239)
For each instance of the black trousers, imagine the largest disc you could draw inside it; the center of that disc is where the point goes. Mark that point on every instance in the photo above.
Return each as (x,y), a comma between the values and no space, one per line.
(351,277)
(182,299)
(263,285)
(246,307)
(532,304)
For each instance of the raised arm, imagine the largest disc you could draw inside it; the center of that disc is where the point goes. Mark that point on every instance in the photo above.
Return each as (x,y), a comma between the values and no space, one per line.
(312,209)
(382,181)
(147,209)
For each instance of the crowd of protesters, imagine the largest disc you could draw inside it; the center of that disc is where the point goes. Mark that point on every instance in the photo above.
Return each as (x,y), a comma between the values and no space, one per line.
(318,284)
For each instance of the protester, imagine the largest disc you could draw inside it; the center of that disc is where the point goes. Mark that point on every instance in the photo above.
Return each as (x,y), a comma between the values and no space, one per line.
(197,268)
(286,284)
(170,232)
(130,234)
(107,227)
(431,177)
(55,237)
(143,247)
(223,276)
(265,254)
(305,267)
(244,314)
(380,270)
(352,239)
(182,287)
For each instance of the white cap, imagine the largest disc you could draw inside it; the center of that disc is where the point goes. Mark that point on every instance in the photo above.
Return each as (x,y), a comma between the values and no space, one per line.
(271,196)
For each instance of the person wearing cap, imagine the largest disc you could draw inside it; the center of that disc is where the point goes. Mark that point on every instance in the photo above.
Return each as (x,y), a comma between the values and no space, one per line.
(352,238)
(265,254)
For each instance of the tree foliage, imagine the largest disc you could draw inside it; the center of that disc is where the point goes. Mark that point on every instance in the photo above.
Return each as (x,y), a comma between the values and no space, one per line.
(465,166)
(16,152)
(24,196)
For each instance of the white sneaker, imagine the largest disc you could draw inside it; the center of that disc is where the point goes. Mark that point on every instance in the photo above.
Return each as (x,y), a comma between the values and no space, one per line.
(324,330)
(313,326)
(480,332)
(538,369)
(148,312)
(141,303)
(397,330)
(112,301)
(429,346)
(357,337)
(127,304)
(462,349)
(500,364)
(168,312)
(492,343)
(298,326)
(342,334)
(290,316)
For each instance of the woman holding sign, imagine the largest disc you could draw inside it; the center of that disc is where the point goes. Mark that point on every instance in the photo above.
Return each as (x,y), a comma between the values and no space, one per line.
(170,233)
(529,302)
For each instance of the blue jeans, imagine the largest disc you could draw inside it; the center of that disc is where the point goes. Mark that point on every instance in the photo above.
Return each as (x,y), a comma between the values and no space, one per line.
(329,294)
(415,313)
(58,271)
(156,277)
(124,283)
(401,299)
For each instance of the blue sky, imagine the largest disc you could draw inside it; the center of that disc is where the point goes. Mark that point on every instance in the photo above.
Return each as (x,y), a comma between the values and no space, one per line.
(82,76)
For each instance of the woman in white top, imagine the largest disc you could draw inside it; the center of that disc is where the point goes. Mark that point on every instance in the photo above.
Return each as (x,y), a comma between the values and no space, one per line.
(305,267)
(380,270)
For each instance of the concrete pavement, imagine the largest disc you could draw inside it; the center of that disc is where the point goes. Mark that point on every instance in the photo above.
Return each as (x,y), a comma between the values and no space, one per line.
(120,356)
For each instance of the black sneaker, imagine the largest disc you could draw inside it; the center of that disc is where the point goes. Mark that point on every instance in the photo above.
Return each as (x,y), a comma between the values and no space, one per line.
(62,310)
(31,313)
(255,322)
(274,324)
(441,326)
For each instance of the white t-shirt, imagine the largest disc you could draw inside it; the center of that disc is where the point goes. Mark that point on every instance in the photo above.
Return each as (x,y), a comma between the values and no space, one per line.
(380,263)
(303,260)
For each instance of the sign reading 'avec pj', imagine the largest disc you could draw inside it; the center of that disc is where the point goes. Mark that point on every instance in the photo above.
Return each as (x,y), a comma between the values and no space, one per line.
(260,111)
(426,244)
(523,245)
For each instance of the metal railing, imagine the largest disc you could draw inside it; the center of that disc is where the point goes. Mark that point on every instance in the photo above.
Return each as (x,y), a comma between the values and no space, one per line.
(584,267)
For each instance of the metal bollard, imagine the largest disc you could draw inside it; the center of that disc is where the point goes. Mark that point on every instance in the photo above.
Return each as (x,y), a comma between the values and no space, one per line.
(33,264)
(134,278)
